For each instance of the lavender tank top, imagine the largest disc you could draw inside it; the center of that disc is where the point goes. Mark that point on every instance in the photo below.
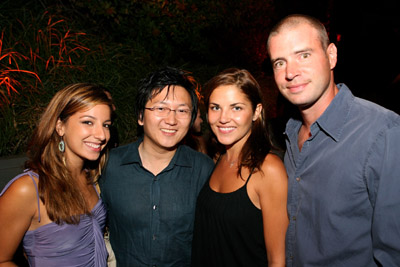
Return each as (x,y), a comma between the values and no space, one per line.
(66,244)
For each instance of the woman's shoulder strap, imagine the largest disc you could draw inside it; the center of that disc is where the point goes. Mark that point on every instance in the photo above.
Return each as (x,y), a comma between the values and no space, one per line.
(248,178)
(32,175)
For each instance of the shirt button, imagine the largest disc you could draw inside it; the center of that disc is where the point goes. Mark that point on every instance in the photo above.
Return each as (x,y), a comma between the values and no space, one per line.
(298,179)
(154,207)
(154,237)
(294,218)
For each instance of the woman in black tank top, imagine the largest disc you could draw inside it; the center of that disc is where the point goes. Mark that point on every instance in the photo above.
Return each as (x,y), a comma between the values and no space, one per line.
(241,216)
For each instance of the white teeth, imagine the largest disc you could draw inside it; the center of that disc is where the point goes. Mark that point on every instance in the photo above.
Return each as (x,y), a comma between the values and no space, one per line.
(168,131)
(93,145)
(226,128)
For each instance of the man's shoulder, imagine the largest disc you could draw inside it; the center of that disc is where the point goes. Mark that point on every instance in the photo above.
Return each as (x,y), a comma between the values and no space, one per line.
(196,156)
(122,155)
(122,150)
(375,114)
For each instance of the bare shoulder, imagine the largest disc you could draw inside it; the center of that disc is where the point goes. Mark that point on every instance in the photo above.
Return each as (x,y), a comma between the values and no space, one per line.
(273,168)
(21,190)
(18,204)
(269,184)
(17,208)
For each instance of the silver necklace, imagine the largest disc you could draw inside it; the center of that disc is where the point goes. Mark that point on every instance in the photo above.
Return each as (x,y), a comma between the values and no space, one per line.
(231,163)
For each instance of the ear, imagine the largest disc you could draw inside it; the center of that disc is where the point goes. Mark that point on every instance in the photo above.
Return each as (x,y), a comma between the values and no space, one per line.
(332,55)
(257,112)
(140,119)
(60,127)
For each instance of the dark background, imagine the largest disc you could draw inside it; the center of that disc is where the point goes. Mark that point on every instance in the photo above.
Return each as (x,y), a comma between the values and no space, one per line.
(233,33)
(129,38)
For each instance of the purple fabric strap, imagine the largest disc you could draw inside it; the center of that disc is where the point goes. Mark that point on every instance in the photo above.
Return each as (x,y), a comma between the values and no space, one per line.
(31,174)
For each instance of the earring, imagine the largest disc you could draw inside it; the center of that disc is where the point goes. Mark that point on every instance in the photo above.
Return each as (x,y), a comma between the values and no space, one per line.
(61,146)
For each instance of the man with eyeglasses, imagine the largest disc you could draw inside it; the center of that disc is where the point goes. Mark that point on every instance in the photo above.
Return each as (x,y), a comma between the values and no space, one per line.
(150,186)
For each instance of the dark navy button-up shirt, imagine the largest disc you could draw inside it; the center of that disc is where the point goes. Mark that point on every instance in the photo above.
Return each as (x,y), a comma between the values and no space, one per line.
(151,217)
(344,187)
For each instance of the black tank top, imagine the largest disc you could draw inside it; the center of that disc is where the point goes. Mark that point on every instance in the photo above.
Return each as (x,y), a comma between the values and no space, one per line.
(228,230)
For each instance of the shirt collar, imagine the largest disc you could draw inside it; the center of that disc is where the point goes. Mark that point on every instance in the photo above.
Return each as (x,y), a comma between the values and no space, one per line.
(131,155)
(334,117)
(332,121)
(180,157)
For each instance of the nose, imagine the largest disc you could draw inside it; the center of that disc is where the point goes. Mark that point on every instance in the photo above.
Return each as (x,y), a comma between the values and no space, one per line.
(101,133)
(292,70)
(225,116)
(171,118)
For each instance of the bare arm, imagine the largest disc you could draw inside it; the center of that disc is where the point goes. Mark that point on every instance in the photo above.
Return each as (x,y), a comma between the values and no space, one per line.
(273,198)
(17,208)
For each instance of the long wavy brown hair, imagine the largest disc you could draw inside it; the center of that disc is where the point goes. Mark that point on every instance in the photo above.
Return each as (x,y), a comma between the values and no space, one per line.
(58,190)
(258,145)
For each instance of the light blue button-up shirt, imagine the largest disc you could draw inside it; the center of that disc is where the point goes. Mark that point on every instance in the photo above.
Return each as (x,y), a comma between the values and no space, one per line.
(344,187)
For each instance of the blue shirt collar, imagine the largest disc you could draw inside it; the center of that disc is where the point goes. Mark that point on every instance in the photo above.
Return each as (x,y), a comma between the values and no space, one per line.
(334,117)
(132,155)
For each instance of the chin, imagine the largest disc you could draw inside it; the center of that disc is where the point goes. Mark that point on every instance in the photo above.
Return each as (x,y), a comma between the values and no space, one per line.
(225,142)
(93,157)
(170,146)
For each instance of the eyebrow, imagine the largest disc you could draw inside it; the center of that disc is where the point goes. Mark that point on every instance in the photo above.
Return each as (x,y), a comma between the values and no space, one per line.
(233,104)
(166,103)
(91,117)
(295,53)
(237,103)
(87,116)
(303,50)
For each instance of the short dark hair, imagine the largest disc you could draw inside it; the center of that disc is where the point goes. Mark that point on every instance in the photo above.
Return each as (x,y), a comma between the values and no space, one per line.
(156,81)
(294,20)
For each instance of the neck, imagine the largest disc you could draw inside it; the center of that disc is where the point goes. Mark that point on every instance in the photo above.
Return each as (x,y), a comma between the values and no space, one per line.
(155,160)
(75,168)
(311,113)
(152,151)
(233,151)
(232,156)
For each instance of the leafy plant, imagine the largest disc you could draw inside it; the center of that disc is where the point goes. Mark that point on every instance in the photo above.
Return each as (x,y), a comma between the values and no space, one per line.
(48,44)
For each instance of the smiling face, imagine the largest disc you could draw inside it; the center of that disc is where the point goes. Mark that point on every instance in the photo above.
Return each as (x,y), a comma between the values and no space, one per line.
(230,115)
(85,133)
(303,69)
(164,133)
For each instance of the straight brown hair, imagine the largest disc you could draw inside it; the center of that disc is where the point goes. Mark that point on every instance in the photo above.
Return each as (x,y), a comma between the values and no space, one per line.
(57,188)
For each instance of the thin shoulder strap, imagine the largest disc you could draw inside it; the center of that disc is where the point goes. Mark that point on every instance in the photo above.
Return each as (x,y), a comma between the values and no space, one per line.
(219,157)
(31,174)
(97,188)
(248,178)
(37,191)
(10,183)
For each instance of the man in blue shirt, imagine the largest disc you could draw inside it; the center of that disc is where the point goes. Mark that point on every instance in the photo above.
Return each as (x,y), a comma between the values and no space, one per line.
(342,157)
(150,187)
